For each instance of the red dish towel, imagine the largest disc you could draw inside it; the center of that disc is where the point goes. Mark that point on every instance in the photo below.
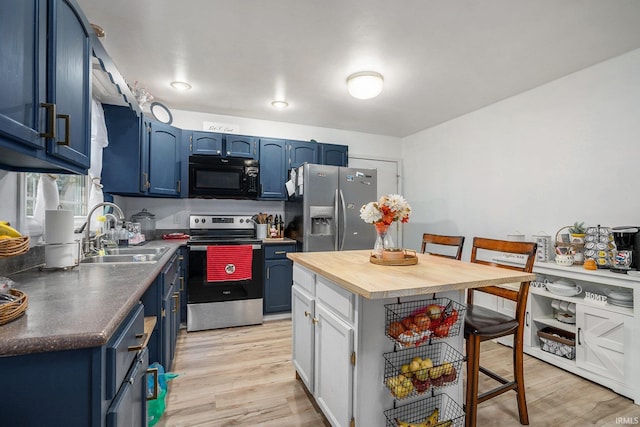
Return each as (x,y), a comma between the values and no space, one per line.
(228,263)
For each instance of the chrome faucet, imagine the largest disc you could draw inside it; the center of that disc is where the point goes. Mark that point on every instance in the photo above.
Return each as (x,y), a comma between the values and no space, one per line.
(87,237)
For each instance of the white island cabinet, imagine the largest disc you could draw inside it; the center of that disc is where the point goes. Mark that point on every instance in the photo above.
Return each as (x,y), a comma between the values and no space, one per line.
(339,321)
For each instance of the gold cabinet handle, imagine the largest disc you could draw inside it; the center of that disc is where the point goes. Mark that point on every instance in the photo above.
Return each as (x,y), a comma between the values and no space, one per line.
(141,343)
(181,283)
(307,314)
(154,372)
(178,185)
(315,320)
(279,252)
(51,120)
(146,184)
(67,129)
(176,302)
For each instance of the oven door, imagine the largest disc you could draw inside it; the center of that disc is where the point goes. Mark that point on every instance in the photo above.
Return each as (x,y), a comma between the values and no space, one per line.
(199,290)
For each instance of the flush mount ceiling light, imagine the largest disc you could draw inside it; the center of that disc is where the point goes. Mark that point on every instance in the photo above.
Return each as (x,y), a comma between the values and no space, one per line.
(279,104)
(181,85)
(365,84)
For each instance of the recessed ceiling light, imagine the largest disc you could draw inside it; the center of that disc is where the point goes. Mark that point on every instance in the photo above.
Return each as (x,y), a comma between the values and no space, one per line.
(365,84)
(181,85)
(279,104)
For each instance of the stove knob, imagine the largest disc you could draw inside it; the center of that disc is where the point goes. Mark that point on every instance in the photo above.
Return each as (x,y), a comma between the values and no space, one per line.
(204,220)
(196,220)
(241,220)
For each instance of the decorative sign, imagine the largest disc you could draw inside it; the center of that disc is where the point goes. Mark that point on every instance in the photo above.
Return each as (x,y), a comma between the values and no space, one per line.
(220,127)
(591,297)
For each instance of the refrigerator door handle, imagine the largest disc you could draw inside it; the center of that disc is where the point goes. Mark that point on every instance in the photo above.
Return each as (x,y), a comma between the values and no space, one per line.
(335,221)
(344,220)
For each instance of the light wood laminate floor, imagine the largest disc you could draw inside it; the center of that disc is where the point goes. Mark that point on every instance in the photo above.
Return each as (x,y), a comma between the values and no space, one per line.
(244,377)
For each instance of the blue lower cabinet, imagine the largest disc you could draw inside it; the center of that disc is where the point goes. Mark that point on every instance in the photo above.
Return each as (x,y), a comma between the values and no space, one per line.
(278,278)
(94,386)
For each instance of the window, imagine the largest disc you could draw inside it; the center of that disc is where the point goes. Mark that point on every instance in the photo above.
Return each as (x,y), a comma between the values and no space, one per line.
(73,191)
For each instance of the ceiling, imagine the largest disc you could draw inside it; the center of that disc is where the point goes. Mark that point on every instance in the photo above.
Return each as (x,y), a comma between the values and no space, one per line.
(440,59)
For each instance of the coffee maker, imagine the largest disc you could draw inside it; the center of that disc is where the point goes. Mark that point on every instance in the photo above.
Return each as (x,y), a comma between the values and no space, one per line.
(627,240)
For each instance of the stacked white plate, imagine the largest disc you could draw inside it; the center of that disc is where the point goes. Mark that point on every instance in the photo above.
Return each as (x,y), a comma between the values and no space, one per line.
(620,297)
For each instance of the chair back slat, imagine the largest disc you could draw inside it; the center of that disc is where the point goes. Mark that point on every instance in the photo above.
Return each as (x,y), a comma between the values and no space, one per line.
(442,240)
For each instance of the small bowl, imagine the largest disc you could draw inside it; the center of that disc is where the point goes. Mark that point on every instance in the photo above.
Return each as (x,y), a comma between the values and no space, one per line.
(565,260)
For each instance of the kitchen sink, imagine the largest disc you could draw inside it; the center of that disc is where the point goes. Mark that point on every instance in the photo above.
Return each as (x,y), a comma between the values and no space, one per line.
(127,256)
(136,251)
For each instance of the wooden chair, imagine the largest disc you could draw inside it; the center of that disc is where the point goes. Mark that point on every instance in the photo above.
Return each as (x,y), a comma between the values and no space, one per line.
(483,324)
(441,240)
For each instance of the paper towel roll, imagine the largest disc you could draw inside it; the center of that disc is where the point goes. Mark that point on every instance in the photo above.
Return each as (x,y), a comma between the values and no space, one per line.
(58,226)
(61,255)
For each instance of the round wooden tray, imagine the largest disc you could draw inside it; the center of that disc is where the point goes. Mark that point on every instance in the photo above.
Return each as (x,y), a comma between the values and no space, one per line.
(409,259)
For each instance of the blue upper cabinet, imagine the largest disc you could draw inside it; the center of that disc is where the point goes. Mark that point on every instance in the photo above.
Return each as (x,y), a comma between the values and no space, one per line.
(224,145)
(164,160)
(45,86)
(273,169)
(143,158)
(241,146)
(69,83)
(300,152)
(333,154)
(206,143)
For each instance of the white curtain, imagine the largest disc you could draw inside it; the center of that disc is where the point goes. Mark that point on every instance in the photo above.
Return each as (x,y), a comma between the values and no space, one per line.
(99,140)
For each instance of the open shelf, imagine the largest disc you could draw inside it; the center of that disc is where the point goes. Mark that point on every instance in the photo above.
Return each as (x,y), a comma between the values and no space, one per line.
(549,321)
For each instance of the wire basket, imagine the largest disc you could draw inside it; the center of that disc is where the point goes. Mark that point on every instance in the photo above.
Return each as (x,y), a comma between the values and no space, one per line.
(419,411)
(410,324)
(14,246)
(12,310)
(569,247)
(443,370)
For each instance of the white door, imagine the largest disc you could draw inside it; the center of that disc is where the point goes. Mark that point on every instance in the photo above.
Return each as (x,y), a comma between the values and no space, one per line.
(303,337)
(333,368)
(600,340)
(388,182)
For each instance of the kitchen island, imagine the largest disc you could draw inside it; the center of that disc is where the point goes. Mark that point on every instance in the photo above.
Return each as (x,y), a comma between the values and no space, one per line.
(341,311)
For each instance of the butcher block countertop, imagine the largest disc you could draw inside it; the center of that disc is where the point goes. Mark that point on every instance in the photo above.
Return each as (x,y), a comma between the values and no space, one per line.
(354,272)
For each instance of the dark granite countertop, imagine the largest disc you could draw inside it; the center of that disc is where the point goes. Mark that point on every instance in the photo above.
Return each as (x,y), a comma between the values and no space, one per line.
(78,308)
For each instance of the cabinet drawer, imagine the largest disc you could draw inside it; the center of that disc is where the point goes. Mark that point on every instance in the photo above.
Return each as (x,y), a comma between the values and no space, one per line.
(335,298)
(278,251)
(123,348)
(305,279)
(170,274)
(129,408)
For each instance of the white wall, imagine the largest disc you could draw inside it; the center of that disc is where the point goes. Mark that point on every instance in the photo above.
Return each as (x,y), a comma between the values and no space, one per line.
(563,152)
(8,190)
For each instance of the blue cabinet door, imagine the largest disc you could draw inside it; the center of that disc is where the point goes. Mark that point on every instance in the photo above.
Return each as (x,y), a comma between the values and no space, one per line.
(333,154)
(22,67)
(209,143)
(301,152)
(124,159)
(241,146)
(164,160)
(45,87)
(277,286)
(69,84)
(273,169)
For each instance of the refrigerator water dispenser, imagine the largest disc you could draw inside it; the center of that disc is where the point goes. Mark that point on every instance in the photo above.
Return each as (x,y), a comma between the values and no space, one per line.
(321,220)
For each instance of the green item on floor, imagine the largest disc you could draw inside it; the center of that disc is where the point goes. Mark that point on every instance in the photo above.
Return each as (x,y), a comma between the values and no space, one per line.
(156,407)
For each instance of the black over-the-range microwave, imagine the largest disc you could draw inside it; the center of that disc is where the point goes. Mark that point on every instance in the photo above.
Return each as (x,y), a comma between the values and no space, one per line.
(223,177)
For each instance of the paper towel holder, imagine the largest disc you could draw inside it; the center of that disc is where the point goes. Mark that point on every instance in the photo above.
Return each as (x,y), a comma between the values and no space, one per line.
(61,264)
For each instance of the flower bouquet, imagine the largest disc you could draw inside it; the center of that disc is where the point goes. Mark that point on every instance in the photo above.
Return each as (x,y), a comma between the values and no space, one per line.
(383,213)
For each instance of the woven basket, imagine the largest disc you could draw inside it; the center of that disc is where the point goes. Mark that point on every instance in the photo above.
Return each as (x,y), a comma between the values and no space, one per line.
(12,310)
(568,246)
(14,246)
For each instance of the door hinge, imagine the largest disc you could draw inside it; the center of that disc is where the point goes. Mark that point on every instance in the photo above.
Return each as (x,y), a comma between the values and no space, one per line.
(353,358)
(352,423)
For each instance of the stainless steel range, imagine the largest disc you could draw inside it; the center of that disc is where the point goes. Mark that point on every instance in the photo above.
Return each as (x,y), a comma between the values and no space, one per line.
(225,280)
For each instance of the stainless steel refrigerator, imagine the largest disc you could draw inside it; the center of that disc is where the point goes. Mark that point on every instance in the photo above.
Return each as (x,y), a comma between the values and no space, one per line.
(324,214)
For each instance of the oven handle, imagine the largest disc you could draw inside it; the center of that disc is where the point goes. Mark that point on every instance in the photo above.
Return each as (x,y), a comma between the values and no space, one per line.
(202,248)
